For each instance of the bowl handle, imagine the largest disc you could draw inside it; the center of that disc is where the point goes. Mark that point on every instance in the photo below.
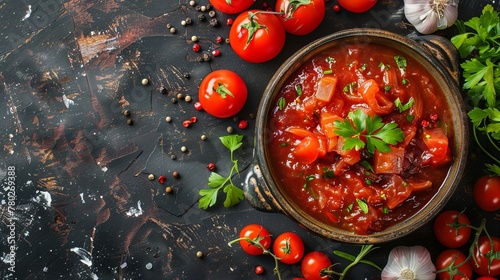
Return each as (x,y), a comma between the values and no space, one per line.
(444,51)
(257,191)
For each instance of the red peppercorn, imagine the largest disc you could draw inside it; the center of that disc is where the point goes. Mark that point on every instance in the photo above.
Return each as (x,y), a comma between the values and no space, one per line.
(193,119)
(219,39)
(162,179)
(243,124)
(229,22)
(434,117)
(211,166)
(197,106)
(259,269)
(424,123)
(336,8)
(186,123)
(196,47)
(215,52)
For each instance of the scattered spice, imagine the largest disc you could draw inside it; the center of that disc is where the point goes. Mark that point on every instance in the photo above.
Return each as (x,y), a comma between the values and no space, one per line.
(203,8)
(434,117)
(184,149)
(229,22)
(215,52)
(194,119)
(194,38)
(219,39)
(162,179)
(196,47)
(259,269)
(192,3)
(173,100)
(172,30)
(186,123)
(173,157)
(197,106)
(168,119)
(183,23)
(145,81)
(162,90)
(229,129)
(130,122)
(211,166)
(202,17)
(180,96)
(214,22)
(199,254)
(187,98)
(168,189)
(151,177)
(188,21)
(336,8)
(424,123)
(203,137)
(176,174)
(243,124)
(187,76)
(211,14)
(126,113)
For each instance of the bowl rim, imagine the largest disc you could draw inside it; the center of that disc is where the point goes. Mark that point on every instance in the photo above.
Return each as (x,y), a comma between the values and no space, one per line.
(450,89)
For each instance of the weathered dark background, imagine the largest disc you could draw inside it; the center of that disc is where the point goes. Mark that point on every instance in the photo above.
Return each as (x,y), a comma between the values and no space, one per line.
(85,208)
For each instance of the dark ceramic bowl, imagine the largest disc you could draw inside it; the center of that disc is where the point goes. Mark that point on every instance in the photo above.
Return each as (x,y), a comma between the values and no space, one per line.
(438,56)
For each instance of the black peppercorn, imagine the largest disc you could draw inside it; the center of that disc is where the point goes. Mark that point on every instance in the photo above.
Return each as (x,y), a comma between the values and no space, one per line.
(214,22)
(202,17)
(173,100)
(162,89)
(206,56)
(130,122)
(126,113)
(187,76)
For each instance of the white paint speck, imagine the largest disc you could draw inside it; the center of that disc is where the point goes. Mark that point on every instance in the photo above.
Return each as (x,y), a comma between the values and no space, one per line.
(43,198)
(28,14)
(136,212)
(68,102)
(82,199)
(86,257)
(149,266)
(123,265)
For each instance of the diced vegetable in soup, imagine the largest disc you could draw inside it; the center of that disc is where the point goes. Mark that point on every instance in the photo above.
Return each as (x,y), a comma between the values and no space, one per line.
(360,137)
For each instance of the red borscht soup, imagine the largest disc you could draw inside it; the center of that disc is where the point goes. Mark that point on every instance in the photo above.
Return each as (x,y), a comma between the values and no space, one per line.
(360,137)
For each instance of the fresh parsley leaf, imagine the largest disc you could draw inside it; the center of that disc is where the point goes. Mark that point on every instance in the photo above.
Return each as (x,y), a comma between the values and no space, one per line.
(401,62)
(362,205)
(328,173)
(298,90)
(403,107)
(216,182)
(281,103)
(360,125)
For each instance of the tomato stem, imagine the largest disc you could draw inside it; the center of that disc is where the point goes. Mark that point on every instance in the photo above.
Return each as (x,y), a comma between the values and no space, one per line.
(265,251)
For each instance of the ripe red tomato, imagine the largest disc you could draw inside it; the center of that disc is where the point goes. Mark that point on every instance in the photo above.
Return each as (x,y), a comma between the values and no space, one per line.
(487,193)
(448,235)
(312,264)
(257,36)
(301,17)
(455,257)
(288,247)
(486,278)
(222,93)
(257,233)
(482,256)
(231,6)
(357,6)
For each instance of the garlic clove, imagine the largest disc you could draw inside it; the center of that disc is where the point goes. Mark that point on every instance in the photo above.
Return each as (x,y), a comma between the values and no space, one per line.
(427,16)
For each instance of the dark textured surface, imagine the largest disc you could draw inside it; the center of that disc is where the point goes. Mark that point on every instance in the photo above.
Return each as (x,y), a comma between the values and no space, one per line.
(68,68)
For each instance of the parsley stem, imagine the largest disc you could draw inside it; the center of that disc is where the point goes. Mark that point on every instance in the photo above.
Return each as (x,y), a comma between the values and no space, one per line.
(481,146)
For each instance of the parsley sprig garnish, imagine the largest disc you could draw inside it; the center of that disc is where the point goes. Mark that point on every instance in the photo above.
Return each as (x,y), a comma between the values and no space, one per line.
(217,182)
(378,135)
(478,43)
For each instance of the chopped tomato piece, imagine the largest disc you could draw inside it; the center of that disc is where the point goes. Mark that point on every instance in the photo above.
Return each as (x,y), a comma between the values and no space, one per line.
(327,121)
(300,132)
(389,163)
(437,143)
(376,99)
(350,156)
(331,144)
(307,150)
(326,88)
(310,105)
(397,191)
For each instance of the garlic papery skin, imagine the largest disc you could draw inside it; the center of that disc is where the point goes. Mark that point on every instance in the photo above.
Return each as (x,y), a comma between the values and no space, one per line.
(430,15)
(409,263)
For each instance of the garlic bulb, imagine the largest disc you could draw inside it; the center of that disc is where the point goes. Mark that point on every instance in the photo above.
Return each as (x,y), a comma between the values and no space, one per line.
(430,15)
(409,263)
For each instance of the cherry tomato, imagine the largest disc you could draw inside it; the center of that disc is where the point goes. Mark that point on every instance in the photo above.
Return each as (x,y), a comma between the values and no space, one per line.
(301,17)
(257,36)
(455,257)
(312,264)
(451,236)
(487,193)
(483,267)
(288,247)
(357,6)
(257,233)
(231,6)
(222,93)
(486,278)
